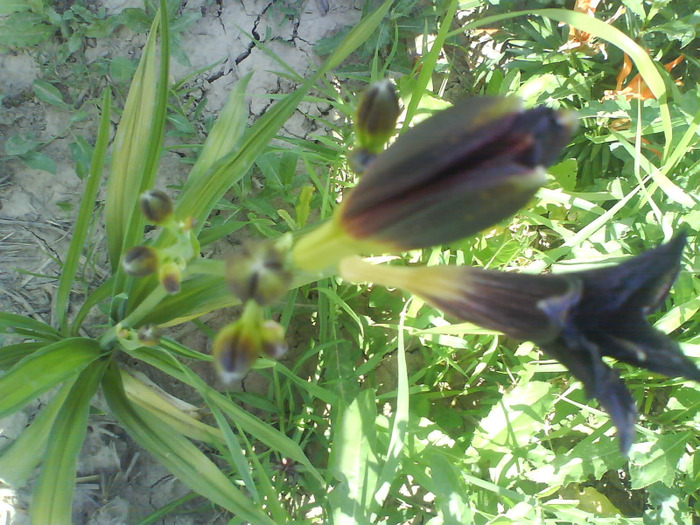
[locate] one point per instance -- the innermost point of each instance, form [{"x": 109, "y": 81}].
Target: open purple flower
[{"x": 576, "y": 318}]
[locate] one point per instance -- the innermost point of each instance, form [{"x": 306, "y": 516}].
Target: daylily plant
[{"x": 452, "y": 175}]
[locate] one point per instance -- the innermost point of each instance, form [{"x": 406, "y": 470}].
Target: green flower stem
[
  {"x": 196, "y": 267},
  {"x": 356, "y": 270},
  {"x": 327, "y": 245}
]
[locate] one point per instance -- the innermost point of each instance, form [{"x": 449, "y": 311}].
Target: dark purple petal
[
  {"x": 600, "y": 381},
  {"x": 640, "y": 283},
  {"x": 631, "y": 339},
  {"x": 452, "y": 208},
  {"x": 507, "y": 302},
  {"x": 435, "y": 146}
]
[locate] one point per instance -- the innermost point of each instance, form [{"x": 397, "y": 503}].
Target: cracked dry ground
[{"x": 119, "y": 483}]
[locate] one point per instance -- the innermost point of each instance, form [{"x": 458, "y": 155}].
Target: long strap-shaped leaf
[
  {"x": 82, "y": 224},
  {"x": 28, "y": 327},
  {"x": 130, "y": 149},
  {"x": 21, "y": 457},
  {"x": 178, "y": 454},
  {"x": 154, "y": 121},
  {"x": 265, "y": 433},
  {"x": 53, "y": 496},
  {"x": 43, "y": 370}
]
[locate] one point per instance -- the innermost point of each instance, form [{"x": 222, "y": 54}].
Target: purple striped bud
[{"x": 454, "y": 174}]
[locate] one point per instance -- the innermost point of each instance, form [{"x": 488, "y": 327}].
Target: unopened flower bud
[
  {"x": 259, "y": 272},
  {"x": 170, "y": 277},
  {"x": 238, "y": 345},
  {"x": 140, "y": 261},
  {"x": 273, "y": 344},
  {"x": 148, "y": 335},
  {"x": 377, "y": 112},
  {"x": 156, "y": 206},
  {"x": 458, "y": 172}
]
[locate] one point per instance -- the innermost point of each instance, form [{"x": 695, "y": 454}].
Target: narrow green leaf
[
  {"x": 177, "y": 454},
  {"x": 19, "y": 459},
  {"x": 265, "y": 433},
  {"x": 53, "y": 496},
  {"x": 131, "y": 145},
  {"x": 357, "y": 36},
  {"x": 354, "y": 461},
  {"x": 390, "y": 469},
  {"x": 82, "y": 223},
  {"x": 226, "y": 134},
  {"x": 428, "y": 64},
  {"x": 28, "y": 327},
  {"x": 41, "y": 371},
  {"x": 136, "y": 220},
  {"x": 450, "y": 497},
  {"x": 235, "y": 451}
]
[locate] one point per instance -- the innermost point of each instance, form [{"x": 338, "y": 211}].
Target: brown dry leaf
[{"x": 636, "y": 88}]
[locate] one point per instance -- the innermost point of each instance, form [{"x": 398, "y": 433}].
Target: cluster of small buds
[
  {"x": 167, "y": 263},
  {"x": 258, "y": 275}
]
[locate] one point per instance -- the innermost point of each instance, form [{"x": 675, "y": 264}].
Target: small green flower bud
[
  {"x": 140, "y": 261},
  {"x": 170, "y": 276},
  {"x": 238, "y": 345},
  {"x": 156, "y": 206},
  {"x": 377, "y": 112},
  {"x": 259, "y": 272},
  {"x": 148, "y": 335},
  {"x": 273, "y": 344}
]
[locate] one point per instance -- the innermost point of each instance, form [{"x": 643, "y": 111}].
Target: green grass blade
[
  {"x": 101, "y": 293},
  {"x": 390, "y": 469},
  {"x": 43, "y": 370},
  {"x": 130, "y": 150},
  {"x": 53, "y": 496},
  {"x": 178, "y": 454},
  {"x": 354, "y": 461},
  {"x": 357, "y": 36},
  {"x": 255, "y": 427},
  {"x": 235, "y": 452},
  {"x": 18, "y": 460},
  {"x": 428, "y": 64},
  {"x": 87, "y": 205},
  {"x": 28, "y": 327}
]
